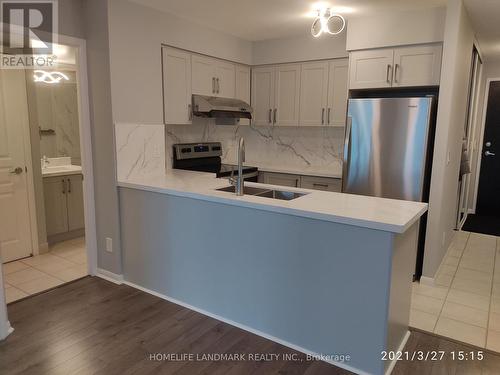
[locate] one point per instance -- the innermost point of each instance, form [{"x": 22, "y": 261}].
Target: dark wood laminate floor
[{"x": 92, "y": 326}]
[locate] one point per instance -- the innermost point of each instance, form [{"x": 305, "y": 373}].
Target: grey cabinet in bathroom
[{"x": 63, "y": 196}]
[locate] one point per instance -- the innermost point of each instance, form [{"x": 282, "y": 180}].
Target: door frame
[{"x": 481, "y": 140}]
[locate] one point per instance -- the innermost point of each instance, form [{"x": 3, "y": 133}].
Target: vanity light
[
  {"x": 327, "y": 22},
  {"x": 49, "y": 77}
]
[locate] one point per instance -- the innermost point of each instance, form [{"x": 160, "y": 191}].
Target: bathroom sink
[{"x": 61, "y": 170}]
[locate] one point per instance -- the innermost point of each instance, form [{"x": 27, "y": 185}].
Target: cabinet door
[
  {"x": 313, "y": 94},
  {"x": 321, "y": 183},
  {"x": 287, "y": 95},
  {"x": 203, "y": 75},
  {"x": 76, "y": 217},
  {"x": 262, "y": 95},
  {"x": 243, "y": 87},
  {"x": 417, "y": 66},
  {"x": 281, "y": 179},
  {"x": 371, "y": 69},
  {"x": 56, "y": 213},
  {"x": 176, "y": 86},
  {"x": 337, "y": 92},
  {"x": 225, "y": 74}
]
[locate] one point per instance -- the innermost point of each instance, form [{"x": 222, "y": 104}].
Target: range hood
[{"x": 215, "y": 107}]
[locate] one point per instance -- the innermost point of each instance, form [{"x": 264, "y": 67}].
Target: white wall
[
  {"x": 303, "y": 48},
  {"x": 457, "y": 54},
  {"x": 396, "y": 28},
  {"x": 135, "y": 37}
]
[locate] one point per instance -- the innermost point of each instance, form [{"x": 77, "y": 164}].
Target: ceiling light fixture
[
  {"x": 49, "y": 77},
  {"x": 327, "y": 22}
]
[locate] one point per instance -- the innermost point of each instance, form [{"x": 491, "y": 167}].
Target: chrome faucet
[
  {"x": 45, "y": 162},
  {"x": 239, "y": 182}
]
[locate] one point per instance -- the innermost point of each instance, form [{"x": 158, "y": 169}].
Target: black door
[{"x": 488, "y": 203}]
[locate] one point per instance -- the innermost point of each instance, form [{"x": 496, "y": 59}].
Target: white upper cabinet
[
  {"x": 176, "y": 86},
  {"x": 213, "y": 77},
  {"x": 337, "y": 92},
  {"x": 371, "y": 69},
  {"x": 203, "y": 77},
  {"x": 263, "y": 80},
  {"x": 314, "y": 94},
  {"x": 287, "y": 95},
  {"x": 395, "y": 67},
  {"x": 242, "y": 87},
  {"x": 417, "y": 66},
  {"x": 225, "y": 79}
]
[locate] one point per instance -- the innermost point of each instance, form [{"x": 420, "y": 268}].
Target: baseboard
[
  {"x": 43, "y": 248},
  {"x": 65, "y": 236},
  {"x": 401, "y": 348},
  {"x": 427, "y": 280},
  {"x": 109, "y": 276},
  {"x": 249, "y": 329},
  {"x": 9, "y": 330}
]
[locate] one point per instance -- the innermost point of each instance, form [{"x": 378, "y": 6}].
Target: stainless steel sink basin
[
  {"x": 266, "y": 193},
  {"x": 248, "y": 190},
  {"x": 282, "y": 195}
]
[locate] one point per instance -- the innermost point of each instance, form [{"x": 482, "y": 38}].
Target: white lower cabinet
[
  {"x": 306, "y": 182},
  {"x": 63, "y": 197}
]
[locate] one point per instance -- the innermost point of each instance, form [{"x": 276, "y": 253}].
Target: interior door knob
[
  {"x": 18, "y": 170},
  {"x": 488, "y": 153}
]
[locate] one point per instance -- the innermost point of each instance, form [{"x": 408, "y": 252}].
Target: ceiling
[
  {"x": 255, "y": 20},
  {"x": 484, "y": 15}
]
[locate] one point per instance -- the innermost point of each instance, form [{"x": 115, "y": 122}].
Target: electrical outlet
[{"x": 109, "y": 245}]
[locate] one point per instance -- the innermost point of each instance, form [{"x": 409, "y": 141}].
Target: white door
[
  {"x": 203, "y": 75},
  {"x": 55, "y": 190},
  {"x": 176, "y": 86},
  {"x": 371, "y": 69},
  {"x": 337, "y": 92},
  {"x": 417, "y": 66},
  {"x": 313, "y": 94},
  {"x": 242, "y": 87},
  {"x": 15, "y": 231},
  {"x": 262, "y": 95},
  {"x": 287, "y": 95},
  {"x": 76, "y": 217},
  {"x": 225, "y": 75}
]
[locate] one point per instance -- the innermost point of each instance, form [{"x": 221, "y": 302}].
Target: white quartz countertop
[
  {"x": 61, "y": 170},
  {"x": 369, "y": 212}
]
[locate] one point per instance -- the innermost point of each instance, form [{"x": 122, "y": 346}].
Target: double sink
[{"x": 265, "y": 193}]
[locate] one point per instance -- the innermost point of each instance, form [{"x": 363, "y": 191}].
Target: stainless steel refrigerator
[{"x": 388, "y": 150}]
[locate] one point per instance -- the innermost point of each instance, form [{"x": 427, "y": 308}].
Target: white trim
[
  {"x": 427, "y": 280},
  {"x": 109, "y": 276},
  {"x": 400, "y": 349},
  {"x": 481, "y": 139},
  {"x": 247, "y": 328}
]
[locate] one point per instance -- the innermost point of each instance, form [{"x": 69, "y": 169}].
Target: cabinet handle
[
  {"x": 396, "y": 68},
  {"x": 296, "y": 182},
  {"x": 320, "y": 185},
  {"x": 275, "y": 112},
  {"x": 270, "y": 116},
  {"x": 63, "y": 186},
  {"x": 218, "y": 86},
  {"x": 328, "y": 116},
  {"x": 190, "y": 112},
  {"x": 322, "y": 116},
  {"x": 389, "y": 68},
  {"x": 213, "y": 85},
  {"x": 69, "y": 186}
]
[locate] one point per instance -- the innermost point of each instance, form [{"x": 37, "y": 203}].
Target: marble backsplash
[
  {"x": 140, "y": 151},
  {"x": 144, "y": 150},
  {"x": 292, "y": 149}
]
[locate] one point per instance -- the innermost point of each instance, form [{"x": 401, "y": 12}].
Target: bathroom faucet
[
  {"x": 239, "y": 182},
  {"x": 45, "y": 161}
]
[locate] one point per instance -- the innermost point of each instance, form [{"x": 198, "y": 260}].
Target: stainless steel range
[{"x": 206, "y": 157}]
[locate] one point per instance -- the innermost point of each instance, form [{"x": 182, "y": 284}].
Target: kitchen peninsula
[{"x": 301, "y": 272}]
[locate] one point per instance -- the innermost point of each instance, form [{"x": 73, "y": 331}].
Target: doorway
[
  {"x": 487, "y": 215},
  {"x": 50, "y": 246}
]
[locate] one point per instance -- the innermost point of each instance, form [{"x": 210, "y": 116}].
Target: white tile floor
[
  {"x": 464, "y": 303},
  {"x": 66, "y": 261}
]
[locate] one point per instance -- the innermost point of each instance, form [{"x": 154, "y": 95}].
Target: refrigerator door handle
[{"x": 347, "y": 151}]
